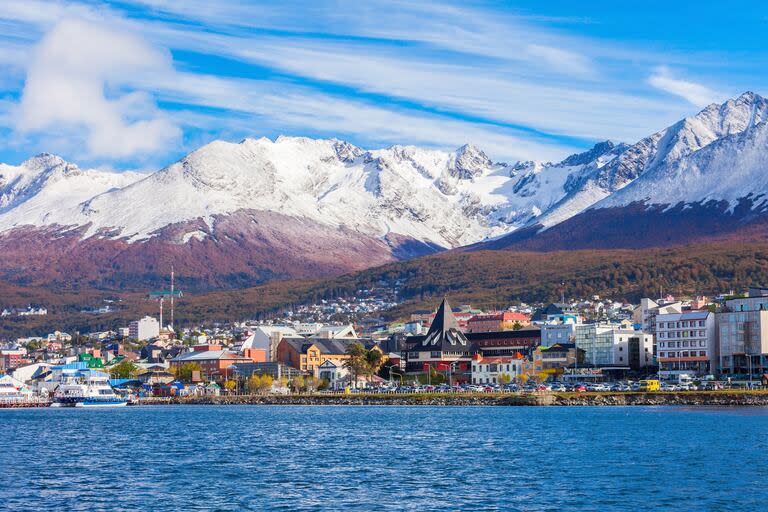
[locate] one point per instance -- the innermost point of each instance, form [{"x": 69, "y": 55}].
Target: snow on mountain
[
  {"x": 444, "y": 198},
  {"x": 728, "y": 170},
  {"x": 394, "y": 195},
  {"x": 33, "y": 192},
  {"x": 666, "y": 150}
]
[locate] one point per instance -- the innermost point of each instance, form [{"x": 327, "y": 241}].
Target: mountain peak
[
  {"x": 470, "y": 161},
  {"x": 45, "y": 161},
  {"x": 590, "y": 155}
]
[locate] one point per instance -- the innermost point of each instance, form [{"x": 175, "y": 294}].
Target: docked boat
[{"x": 87, "y": 389}]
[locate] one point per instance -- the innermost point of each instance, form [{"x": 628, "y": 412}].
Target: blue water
[{"x": 384, "y": 458}]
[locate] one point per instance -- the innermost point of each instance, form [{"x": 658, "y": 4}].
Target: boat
[{"x": 86, "y": 388}]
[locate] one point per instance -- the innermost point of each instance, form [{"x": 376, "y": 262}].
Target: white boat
[
  {"x": 87, "y": 388},
  {"x": 10, "y": 391}
]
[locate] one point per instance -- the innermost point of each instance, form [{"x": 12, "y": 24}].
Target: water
[{"x": 384, "y": 458}]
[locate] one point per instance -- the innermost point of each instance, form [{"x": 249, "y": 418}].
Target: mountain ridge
[{"x": 235, "y": 214}]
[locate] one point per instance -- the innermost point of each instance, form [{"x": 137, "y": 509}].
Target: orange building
[{"x": 308, "y": 354}]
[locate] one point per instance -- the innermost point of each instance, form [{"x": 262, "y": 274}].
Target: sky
[{"x": 138, "y": 84}]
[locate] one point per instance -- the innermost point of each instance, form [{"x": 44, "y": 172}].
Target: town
[{"x": 593, "y": 345}]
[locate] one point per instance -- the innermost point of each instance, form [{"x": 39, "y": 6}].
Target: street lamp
[{"x": 398, "y": 374}]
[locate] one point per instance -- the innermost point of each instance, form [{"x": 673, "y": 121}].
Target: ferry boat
[{"x": 87, "y": 389}]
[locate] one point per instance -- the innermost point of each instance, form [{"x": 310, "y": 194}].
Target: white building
[
  {"x": 144, "y": 329},
  {"x": 489, "y": 370},
  {"x": 336, "y": 332},
  {"x": 415, "y": 327},
  {"x": 645, "y": 314},
  {"x": 334, "y": 372},
  {"x": 686, "y": 343},
  {"x": 614, "y": 345}
]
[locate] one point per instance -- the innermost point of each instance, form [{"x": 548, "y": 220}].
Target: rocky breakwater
[
  {"x": 688, "y": 398},
  {"x": 696, "y": 398},
  {"x": 430, "y": 399}
]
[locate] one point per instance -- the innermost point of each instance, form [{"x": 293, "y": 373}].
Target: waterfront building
[
  {"x": 444, "y": 347},
  {"x": 275, "y": 370},
  {"x": 506, "y": 343},
  {"x": 614, "y": 345},
  {"x": 686, "y": 344},
  {"x": 496, "y": 370},
  {"x": 334, "y": 371},
  {"x": 552, "y": 360},
  {"x": 307, "y": 354},
  {"x": 144, "y": 329},
  {"x": 743, "y": 335}
]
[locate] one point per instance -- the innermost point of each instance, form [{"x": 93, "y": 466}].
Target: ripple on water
[{"x": 383, "y": 458}]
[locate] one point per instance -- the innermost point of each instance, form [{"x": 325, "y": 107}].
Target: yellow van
[{"x": 650, "y": 385}]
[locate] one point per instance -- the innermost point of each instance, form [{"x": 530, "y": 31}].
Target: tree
[
  {"x": 312, "y": 383},
  {"x": 357, "y": 362},
  {"x": 298, "y": 384},
  {"x": 505, "y": 378},
  {"x": 253, "y": 384},
  {"x": 184, "y": 372},
  {"x": 123, "y": 370},
  {"x": 265, "y": 384},
  {"x": 230, "y": 385},
  {"x": 374, "y": 359}
]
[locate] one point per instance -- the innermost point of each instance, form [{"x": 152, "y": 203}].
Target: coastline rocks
[{"x": 718, "y": 399}]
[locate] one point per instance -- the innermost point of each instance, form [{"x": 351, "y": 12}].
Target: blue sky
[{"x": 137, "y": 84}]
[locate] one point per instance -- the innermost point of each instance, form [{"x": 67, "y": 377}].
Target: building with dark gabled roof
[{"x": 444, "y": 347}]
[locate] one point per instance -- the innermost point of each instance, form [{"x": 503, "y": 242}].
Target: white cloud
[
  {"x": 78, "y": 87},
  {"x": 562, "y": 60},
  {"x": 692, "y": 92}
]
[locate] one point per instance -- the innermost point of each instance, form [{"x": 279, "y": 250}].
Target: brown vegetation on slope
[{"x": 487, "y": 279}]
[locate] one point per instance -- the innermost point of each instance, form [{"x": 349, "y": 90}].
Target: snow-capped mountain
[
  {"x": 445, "y": 199},
  {"x": 232, "y": 214},
  {"x": 681, "y": 184}
]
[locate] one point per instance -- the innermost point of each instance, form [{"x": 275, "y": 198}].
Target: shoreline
[{"x": 687, "y": 398}]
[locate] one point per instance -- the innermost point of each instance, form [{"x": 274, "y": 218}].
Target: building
[
  {"x": 144, "y": 329},
  {"x": 686, "y": 343},
  {"x": 742, "y": 328},
  {"x": 275, "y": 370},
  {"x": 496, "y": 370},
  {"x": 615, "y": 346},
  {"x": 644, "y": 315},
  {"x": 334, "y": 371},
  {"x": 500, "y": 321},
  {"x": 445, "y": 347},
  {"x": 307, "y": 354},
  {"x": 552, "y": 360},
  {"x": 506, "y": 343},
  {"x": 11, "y": 359},
  {"x": 557, "y": 333},
  {"x": 214, "y": 362},
  {"x": 556, "y": 313},
  {"x": 267, "y": 338}
]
